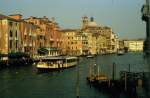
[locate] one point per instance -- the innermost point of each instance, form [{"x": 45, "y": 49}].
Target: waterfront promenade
[{"x": 24, "y": 82}]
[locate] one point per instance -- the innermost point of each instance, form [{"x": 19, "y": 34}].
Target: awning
[{"x": 42, "y": 51}]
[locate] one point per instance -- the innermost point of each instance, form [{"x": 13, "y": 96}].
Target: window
[
  {"x": 16, "y": 34},
  {"x": 16, "y": 44},
  {"x": 40, "y": 45},
  {"x": 25, "y": 37},
  {"x": 16, "y": 23},
  {"x": 10, "y": 24},
  {"x": 10, "y": 44},
  {"x": 11, "y": 33}
]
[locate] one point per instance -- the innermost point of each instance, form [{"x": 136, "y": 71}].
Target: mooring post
[
  {"x": 129, "y": 67},
  {"x": 125, "y": 82},
  {"x": 146, "y": 17},
  {"x": 78, "y": 83},
  {"x": 113, "y": 71},
  {"x": 109, "y": 83}
]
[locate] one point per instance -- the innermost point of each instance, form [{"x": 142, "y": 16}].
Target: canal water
[{"x": 24, "y": 82}]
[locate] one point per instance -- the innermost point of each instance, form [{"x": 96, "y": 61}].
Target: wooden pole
[
  {"x": 129, "y": 67},
  {"x": 78, "y": 84},
  {"x": 90, "y": 71},
  {"x": 146, "y": 14},
  {"x": 113, "y": 71},
  {"x": 125, "y": 80},
  {"x": 98, "y": 71}
]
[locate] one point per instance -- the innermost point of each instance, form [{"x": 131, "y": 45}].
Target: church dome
[{"x": 92, "y": 23}]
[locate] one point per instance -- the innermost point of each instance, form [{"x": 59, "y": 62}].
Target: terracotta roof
[
  {"x": 15, "y": 14},
  {"x": 106, "y": 27},
  {"x": 7, "y": 17},
  {"x": 68, "y": 30}
]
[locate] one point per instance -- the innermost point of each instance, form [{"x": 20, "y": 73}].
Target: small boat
[
  {"x": 120, "y": 52},
  {"x": 90, "y": 56},
  {"x": 55, "y": 63},
  {"x": 96, "y": 76}
]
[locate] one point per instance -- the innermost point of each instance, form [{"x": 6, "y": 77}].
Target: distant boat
[
  {"x": 90, "y": 56},
  {"x": 54, "y": 63},
  {"x": 120, "y": 52}
]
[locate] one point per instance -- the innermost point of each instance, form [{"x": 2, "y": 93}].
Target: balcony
[
  {"x": 84, "y": 47},
  {"x": 10, "y": 38},
  {"x": 41, "y": 34},
  {"x": 30, "y": 34},
  {"x": 25, "y": 44},
  {"x": 16, "y": 38},
  {"x": 30, "y": 44},
  {"x": 25, "y": 33},
  {"x": 51, "y": 39}
]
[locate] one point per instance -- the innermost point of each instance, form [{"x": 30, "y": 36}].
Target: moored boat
[
  {"x": 90, "y": 56},
  {"x": 120, "y": 52}
]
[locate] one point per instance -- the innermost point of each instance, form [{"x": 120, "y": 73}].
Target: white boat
[
  {"x": 90, "y": 56},
  {"x": 54, "y": 63},
  {"x": 120, "y": 52}
]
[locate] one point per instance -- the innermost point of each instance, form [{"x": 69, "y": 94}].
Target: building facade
[
  {"x": 32, "y": 36},
  {"x": 101, "y": 38},
  {"x": 29, "y": 35},
  {"x": 53, "y": 36},
  {"x": 40, "y": 35},
  {"x": 134, "y": 45},
  {"x": 9, "y": 35},
  {"x": 69, "y": 41}
]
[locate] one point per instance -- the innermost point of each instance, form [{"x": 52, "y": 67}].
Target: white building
[{"x": 134, "y": 45}]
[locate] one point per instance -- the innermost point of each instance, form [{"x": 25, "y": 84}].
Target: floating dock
[{"x": 130, "y": 84}]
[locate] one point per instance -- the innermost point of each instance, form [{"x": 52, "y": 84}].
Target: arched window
[
  {"x": 0, "y": 34},
  {"x": 11, "y": 33},
  {"x": 16, "y": 34}
]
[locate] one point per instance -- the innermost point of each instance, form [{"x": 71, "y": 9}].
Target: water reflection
[{"x": 26, "y": 83}]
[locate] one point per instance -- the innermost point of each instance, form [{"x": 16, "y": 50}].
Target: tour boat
[{"x": 58, "y": 62}]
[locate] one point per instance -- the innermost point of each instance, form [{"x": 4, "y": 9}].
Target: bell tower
[{"x": 85, "y": 22}]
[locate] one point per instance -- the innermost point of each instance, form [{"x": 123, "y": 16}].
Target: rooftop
[{"x": 7, "y": 17}]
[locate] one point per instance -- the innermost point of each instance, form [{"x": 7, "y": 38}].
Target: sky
[{"x": 123, "y": 16}]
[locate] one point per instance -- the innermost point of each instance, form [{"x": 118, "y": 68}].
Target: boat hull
[
  {"x": 53, "y": 69},
  {"x": 53, "y": 64}
]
